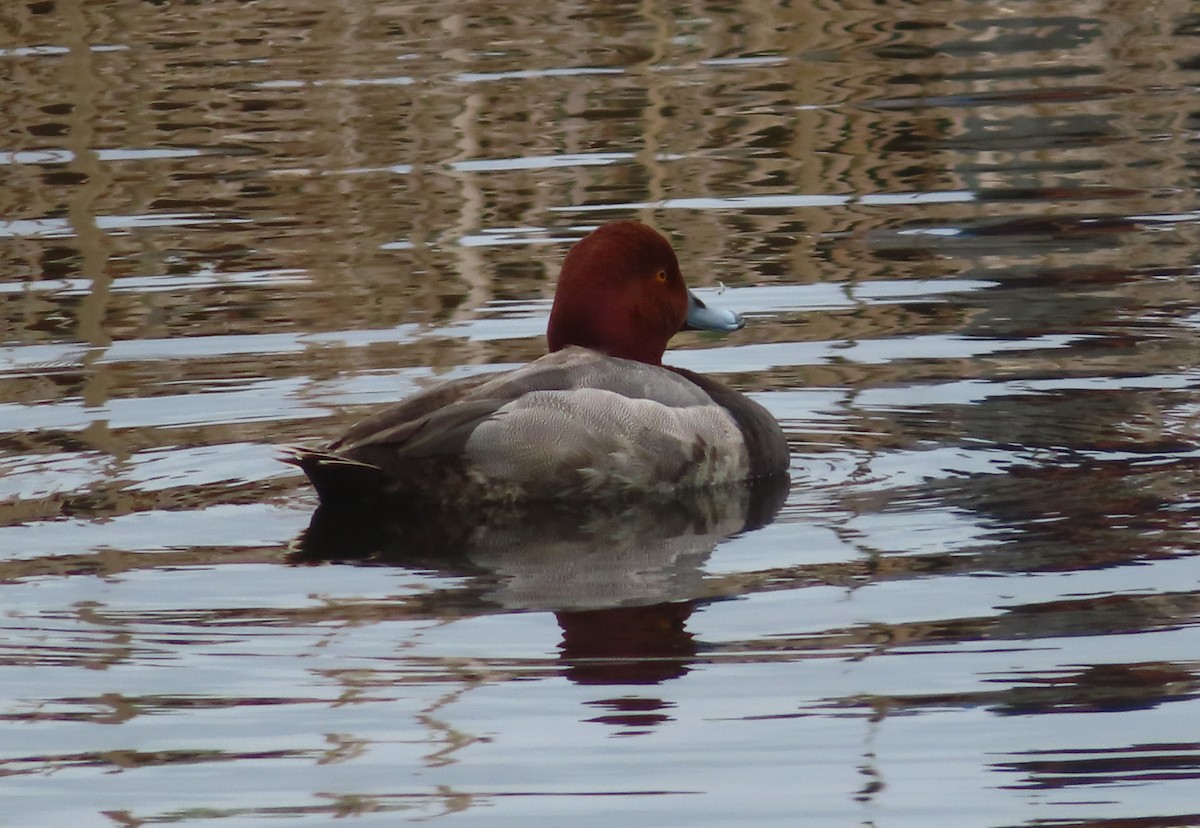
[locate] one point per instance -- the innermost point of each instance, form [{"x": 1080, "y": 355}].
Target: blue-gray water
[{"x": 965, "y": 235}]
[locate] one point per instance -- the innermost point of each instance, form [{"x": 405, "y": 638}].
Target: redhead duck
[{"x": 599, "y": 416}]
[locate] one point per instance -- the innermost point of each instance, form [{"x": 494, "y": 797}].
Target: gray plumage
[{"x": 575, "y": 423}]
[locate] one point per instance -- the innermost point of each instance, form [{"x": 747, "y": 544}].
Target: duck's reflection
[
  {"x": 621, "y": 579},
  {"x": 627, "y": 645}
]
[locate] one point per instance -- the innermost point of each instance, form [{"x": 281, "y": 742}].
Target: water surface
[{"x": 964, "y": 234}]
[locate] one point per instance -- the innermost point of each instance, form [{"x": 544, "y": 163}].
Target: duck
[{"x": 599, "y": 416}]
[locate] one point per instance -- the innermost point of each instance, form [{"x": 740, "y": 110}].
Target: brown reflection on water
[
  {"x": 627, "y": 645},
  {"x": 1100, "y": 688},
  {"x": 295, "y": 155},
  {"x": 1129, "y": 765},
  {"x": 392, "y": 151}
]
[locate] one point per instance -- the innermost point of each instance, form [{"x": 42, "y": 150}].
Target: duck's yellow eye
[{"x": 661, "y": 275}]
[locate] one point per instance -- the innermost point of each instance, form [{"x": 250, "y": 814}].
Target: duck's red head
[{"x": 620, "y": 292}]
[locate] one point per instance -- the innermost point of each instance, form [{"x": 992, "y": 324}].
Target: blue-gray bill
[{"x": 701, "y": 317}]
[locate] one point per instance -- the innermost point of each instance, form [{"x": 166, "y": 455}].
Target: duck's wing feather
[
  {"x": 411, "y": 410},
  {"x": 412, "y": 425},
  {"x": 574, "y": 415}
]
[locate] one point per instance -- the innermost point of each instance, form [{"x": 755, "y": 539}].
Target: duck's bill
[{"x": 702, "y": 317}]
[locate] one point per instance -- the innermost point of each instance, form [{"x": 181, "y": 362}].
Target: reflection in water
[
  {"x": 1128, "y": 765},
  {"x": 561, "y": 556},
  {"x": 1100, "y": 688},
  {"x": 621, "y": 578},
  {"x": 627, "y": 645}
]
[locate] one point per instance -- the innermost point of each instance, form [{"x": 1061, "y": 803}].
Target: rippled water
[{"x": 965, "y": 234}]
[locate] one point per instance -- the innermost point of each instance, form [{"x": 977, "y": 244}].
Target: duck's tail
[{"x": 338, "y": 480}]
